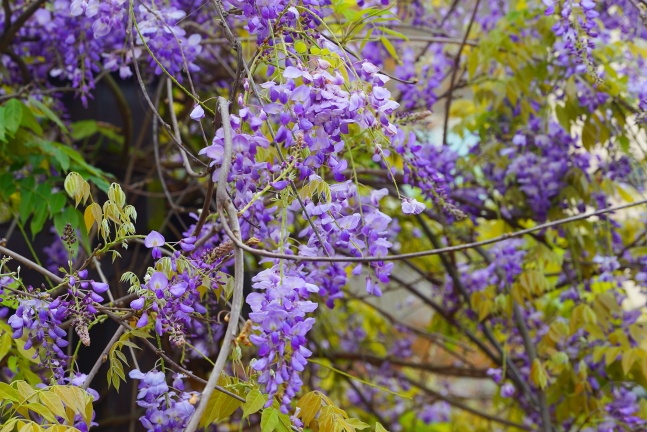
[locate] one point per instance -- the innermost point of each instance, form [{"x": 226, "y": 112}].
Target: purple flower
[
  {"x": 142, "y": 321},
  {"x": 157, "y": 283},
  {"x": 155, "y": 240},
  {"x": 40, "y": 322},
  {"x": 137, "y": 304},
  {"x": 197, "y": 113},
  {"x": 187, "y": 244},
  {"x": 99, "y": 287},
  {"x": 507, "y": 390},
  {"x": 411, "y": 206},
  {"x": 279, "y": 314},
  {"x": 495, "y": 374},
  {"x": 166, "y": 410},
  {"x": 436, "y": 413}
]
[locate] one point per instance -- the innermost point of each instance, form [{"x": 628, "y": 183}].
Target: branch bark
[{"x": 224, "y": 204}]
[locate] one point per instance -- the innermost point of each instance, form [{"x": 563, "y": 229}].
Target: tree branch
[
  {"x": 224, "y": 204},
  {"x": 400, "y": 257},
  {"x": 102, "y": 358},
  {"x": 460, "y": 405},
  {"x": 10, "y": 32},
  {"x": 32, "y": 265},
  {"x": 448, "y": 370}
]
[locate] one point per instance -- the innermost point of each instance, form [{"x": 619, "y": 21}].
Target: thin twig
[
  {"x": 515, "y": 374},
  {"x": 97, "y": 266},
  {"x": 32, "y": 265},
  {"x": 448, "y": 370},
  {"x": 102, "y": 358},
  {"x": 10, "y": 32},
  {"x": 140, "y": 80},
  {"x": 167, "y": 359},
  {"x": 532, "y": 355},
  {"x": 400, "y": 257},
  {"x": 176, "y": 131},
  {"x": 460, "y": 405},
  {"x": 205, "y": 206},
  {"x": 457, "y": 60}
]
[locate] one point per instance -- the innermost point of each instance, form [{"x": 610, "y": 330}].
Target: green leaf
[
  {"x": 380, "y": 428},
  {"x": 30, "y": 122},
  {"x": 49, "y": 114},
  {"x": 269, "y": 420},
  {"x": 393, "y": 33},
  {"x": 255, "y": 400},
  {"x": 390, "y": 48},
  {"x": 40, "y": 216},
  {"x": 12, "y": 115},
  {"x": 84, "y": 129},
  {"x": 62, "y": 158},
  {"x": 589, "y": 134},
  {"x": 56, "y": 202},
  {"x": 25, "y": 209},
  {"x": 220, "y": 405},
  {"x": 7, "y": 185},
  {"x": 2, "y": 125},
  {"x": 300, "y": 47}
]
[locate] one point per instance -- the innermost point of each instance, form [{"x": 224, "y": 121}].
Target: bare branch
[
  {"x": 460, "y": 405},
  {"x": 102, "y": 358}
]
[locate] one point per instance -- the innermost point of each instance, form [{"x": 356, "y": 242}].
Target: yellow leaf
[
  {"x": 626, "y": 192},
  {"x": 5, "y": 344},
  {"x": 117, "y": 195},
  {"x": 380, "y": 428},
  {"x": 25, "y": 391},
  {"x": 643, "y": 365},
  {"x": 52, "y": 402},
  {"x": 74, "y": 398},
  {"x": 9, "y": 425},
  {"x": 300, "y": 47},
  {"x": 628, "y": 359},
  {"x": 88, "y": 218},
  {"x": 612, "y": 354},
  {"x": 538, "y": 374},
  {"x": 309, "y": 405}
]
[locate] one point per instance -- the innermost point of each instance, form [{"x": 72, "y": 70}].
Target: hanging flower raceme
[
  {"x": 172, "y": 301},
  {"x": 106, "y": 14},
  {"x": 39, "y": 322},
  {"x": 279, "y": 313},
  {"x": 166, "y": 410}
]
